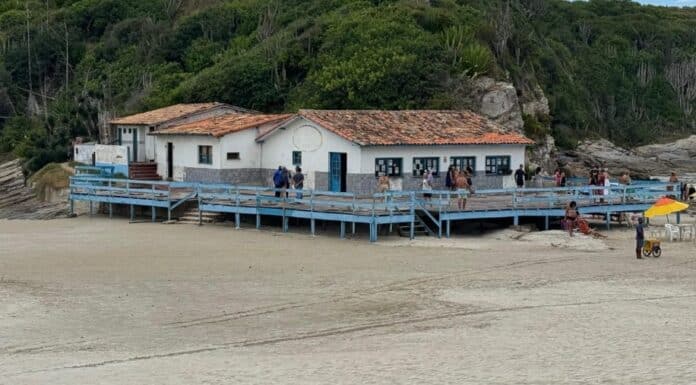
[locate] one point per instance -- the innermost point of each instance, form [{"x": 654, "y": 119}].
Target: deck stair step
[
  {"x": 419, "y": 228},
  {"x": 191, "y": 217},
  {"x": 143, "y": 171}
]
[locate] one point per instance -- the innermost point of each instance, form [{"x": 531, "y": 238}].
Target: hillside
[{"x": 613, "y": 69}]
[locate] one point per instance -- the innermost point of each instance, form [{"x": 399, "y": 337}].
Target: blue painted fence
[{"x": 438, "y": 209}]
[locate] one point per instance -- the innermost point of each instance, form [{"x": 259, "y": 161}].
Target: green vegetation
[
  {"x": 609, "y": 68},
  {"x": 53, "y": 176}
]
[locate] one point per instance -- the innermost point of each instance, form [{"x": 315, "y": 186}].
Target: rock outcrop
[
  {"x": 679, "y": 155},
  {"x": 17, "y": 201},
  {"x": 642, "y": 163},
  {"x": 498, "y": 101}
]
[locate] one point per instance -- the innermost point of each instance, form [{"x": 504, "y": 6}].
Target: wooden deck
[{"x": 394, "y": 207}]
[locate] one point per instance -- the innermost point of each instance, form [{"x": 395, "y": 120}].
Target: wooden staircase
[
  {"x": 143, "y": 171},
  {"x": 190, "y": 216},
  {"x": 420, "y": 228}
]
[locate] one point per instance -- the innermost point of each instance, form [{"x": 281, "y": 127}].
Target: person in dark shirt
[
  {"x": 298, "y": 182},
  {"x": 519, "y": 176},
  {"x": 640, "y": 237}
]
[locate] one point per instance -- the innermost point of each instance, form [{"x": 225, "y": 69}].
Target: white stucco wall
[
  {"x": 83, "y": 153},
  {"x": 407, "y": 153},
  {"x": 185, "y": 153},
  {"x": 243, "y": 142},
  {"x": 127, "y": 140},
  {"x": 314, "y": 142}
]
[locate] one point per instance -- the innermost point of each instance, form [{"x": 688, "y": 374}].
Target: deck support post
[
  {"x": 236, "y": 221},
  {"x": 546, "y": 222},
  {"x": 111, "y": 210},
  {"x": 169, "y": 212},
  {"x": 132, "y": 213},
  {"x": 373, "y": 231},
  {"x": 516, "y": 220},
  {"x": 154, "y": 213},
  {"x": 448, "y": 228},
  {"x": 313, "y": 226},
  {"x": 608, "y": 220},
  {"x": 91, "y": 208},
  {"x": 353, "y": 229},
  {"x": 412, "y": 235},
  {"x": 343, "y": 230},
  {"x": 439, "y": 228},
  {"x": 285, "y": 223},
  {"x": 258, "y": 221}
]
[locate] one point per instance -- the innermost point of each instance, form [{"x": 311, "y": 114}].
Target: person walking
[
  {"x": 451, "y": 178},
  {"x": 571, "y": 217},
  {"x": 640, "y": 238},
  {"x": 298, "y": 182},
  {"x": 520, "y": 175}
]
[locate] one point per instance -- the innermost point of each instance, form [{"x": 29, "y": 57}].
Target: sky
[{"x": 675, "y": 3}]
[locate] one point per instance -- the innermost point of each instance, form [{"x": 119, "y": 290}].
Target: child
[{"x": 639, "y": 238}]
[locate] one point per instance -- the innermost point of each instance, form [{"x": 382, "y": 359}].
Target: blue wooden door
[{"x": 335, "y": 171}]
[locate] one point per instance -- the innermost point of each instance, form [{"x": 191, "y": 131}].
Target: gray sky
[{"x": 677, "y": 3}]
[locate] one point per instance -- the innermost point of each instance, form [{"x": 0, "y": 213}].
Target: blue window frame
[
  {"x": 205, "y": 154},
  {"x": 462, "y": 162},
  {"x": 422, "y": 164},
  {"x": 497, "y": 165},
  {"x": 388, "y": 167}
]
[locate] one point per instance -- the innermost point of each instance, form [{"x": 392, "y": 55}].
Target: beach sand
[{"x": 98, "y": 301}]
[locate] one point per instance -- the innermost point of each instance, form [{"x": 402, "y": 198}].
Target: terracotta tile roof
[
  {"x": 413, "y": 127},
  {"x": 166, "y": 114},
  {"x": 222, "y": 125}
]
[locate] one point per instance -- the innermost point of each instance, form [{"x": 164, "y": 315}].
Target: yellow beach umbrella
[{"x": 665, "y": 206}]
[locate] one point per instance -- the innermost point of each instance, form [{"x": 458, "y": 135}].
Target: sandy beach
[{"x": 98, "y": 301}]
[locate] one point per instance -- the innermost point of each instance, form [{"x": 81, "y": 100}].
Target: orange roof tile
[
  {"x": 413, "y": 127},
  {"x": 166, "y": 114},
  {"x": 222, "y": 125}
]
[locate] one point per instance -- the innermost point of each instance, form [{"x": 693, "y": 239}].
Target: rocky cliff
[
  {"x": 642, "y": 162},
  {"x": 17, "y": 201}
]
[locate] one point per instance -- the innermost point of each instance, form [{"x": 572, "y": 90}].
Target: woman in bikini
[{"x": 571, "y": 216}]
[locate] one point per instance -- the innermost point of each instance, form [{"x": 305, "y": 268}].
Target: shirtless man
[{"x": 462, "y": 184}]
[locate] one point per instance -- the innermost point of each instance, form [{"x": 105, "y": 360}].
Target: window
[
  {"x": 422, "y": 164},
  {"x": 297, "y": 158},
  {"x": 205, "y": 154},
  {"x": 232, "y": 156},
  {"x": 388, "y": 167},
  {"x": 462, "y": 162},
  {"x": 497, "y": 165}
]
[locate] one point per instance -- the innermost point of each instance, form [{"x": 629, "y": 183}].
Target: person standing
[
  {"x": 427, "y": 185},
  {"x": 538, "y": 178},
  {"x": 672, "y": 180},
  {"x": 562, "y": 181},
  {"x": 557, "y": 177},
  {"x": 520, "y": 176},
  {"x": 451, "y": 178},
  {"x": 640, "y": 238},
  {"x": 285, "y": 178},
  {"x": 277, "y": 180},
  {"x": 298, "y": 182}
]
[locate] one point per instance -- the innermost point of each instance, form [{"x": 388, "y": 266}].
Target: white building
[
  {"x": 340, "y": 150},
  {"x": 131, "y": 131}
]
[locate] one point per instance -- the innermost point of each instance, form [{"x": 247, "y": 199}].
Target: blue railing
[{"x": 438, "y": 206}]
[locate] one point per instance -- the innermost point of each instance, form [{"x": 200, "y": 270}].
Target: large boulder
[
  {"x": 642, "y": 163},
  {"x": 680, "y": 155},
  {"x": 498, "y": 101}
]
